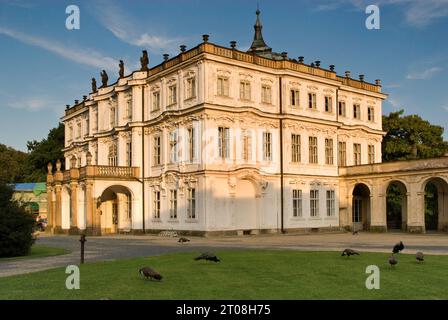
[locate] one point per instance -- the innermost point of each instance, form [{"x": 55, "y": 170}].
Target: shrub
[{"x": 16, "y": 226}]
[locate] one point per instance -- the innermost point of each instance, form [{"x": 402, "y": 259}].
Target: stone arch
[
  {"x": 115, "y": 207},
  {"x": 436, "y": 218},
  {"x": 361, "y": 206},
  {"x": 396, "y": 198}
]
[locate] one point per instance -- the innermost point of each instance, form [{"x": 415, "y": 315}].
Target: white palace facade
[{"x": 216, "y": 140}]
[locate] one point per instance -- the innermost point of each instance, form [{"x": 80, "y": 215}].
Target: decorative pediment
[{"x": 223, "y": 72}]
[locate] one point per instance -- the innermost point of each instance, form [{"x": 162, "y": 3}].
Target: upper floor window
[
  {"x": 113, "y": 155},
  {"x": 172, "y": 94},
  {"x": 78, "y": 130},
  {"x": 173, "y": 146},
  {"x": 157, "y": 150},
  {"x": 87, "y": 127},
  {"x": 294, "y": 98},
  {"x": 267, "y": 146},
  {"x": 155, "y": 100},
  {"x": 266, "y": 94},
  {"x": 70, "y": 133},
  {"x": 224, "y": 142},
  {"x": 94, "y": 119},
  {"x": 245, "y": 90},
  {"x": 312, "y": 148},
  {"x": 112, "y": 116},
  {"x": 129, "y": 109},
  {"x": 328, "y": 104},
  {"x": 342, "y": 153},
  {"x": 312, "y": 101},
  {"x": 129, "y": 153},
  {"x": 247, "y": 145},
  {"x": 191, "y": 88},
  {"x": 371, "y": 114},
  {"x": 356, "y": 154},
  {"x": 371, "y": 153},
  {"x": 357, "y": 111},
  {"x": 223, "y": 86},
  {"x": 295, "y": 148},
  {"x": 341, "y": 108},
  {"x": 191, "y": 144},
  {"x": 329, "y": 151}
]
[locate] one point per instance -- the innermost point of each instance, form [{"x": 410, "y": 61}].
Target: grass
[
  {"x": 242, "y": 275},
  {"x": 38, "y": 251}
]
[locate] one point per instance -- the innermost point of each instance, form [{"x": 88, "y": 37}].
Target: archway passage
[
  {"x": 396, "y": 206},
  {"x": 115, "y": 210},
  {"x": 245, "y": 206},
  {"x": 436, "y": 205},
  {"x": 361, "y": 207}
]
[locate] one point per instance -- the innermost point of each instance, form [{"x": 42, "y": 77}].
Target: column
[{"x": 74, "y": 206}]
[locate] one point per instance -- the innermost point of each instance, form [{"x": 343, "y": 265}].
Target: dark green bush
[{"x": 16, "y": 226}]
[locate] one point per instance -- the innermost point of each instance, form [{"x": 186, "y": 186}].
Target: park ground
[{"x": 252, "y": 267}]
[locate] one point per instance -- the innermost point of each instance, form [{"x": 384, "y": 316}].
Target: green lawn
[
  {"x": 242, "y": 275},
  {"x": 38, "y": 251}
]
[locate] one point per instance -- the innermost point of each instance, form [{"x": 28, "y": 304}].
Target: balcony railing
[{"x": 102, "y": 172}]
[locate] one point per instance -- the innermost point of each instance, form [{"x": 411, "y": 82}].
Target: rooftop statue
[{"x": 144, "y": 60}]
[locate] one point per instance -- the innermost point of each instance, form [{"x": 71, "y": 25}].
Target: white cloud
[
  {"x": 87, "y": 56},
  {"x": 395, "y": 103},
  {"x": 35, "y": 103},
  {"x": 445, "y": 108},
  {"x": 127, "y": 29},
  {"x": 423, "y": 75}
]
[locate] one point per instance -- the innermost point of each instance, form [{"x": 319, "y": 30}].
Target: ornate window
[
  {"x": 328, "y": 104},
  {"x": 356, "y": 154},
  {"x": 247, "y": 145},
  {"x": 341, "y": 108},
  {"x": 173, "y": 204},
  {"x": 191, "y": 144},
  {"x": 296, "y": 203},
  {"x": 155, "y": 100},
  {"x": 267, "y": 146},
  {"x": 371, "y": 153},
  {"x": 266, "y": 93},
  {"x": 295, "y": 148},
  {"x": 328, "y": 151},
  {"x": 223, "y": 86},
  {"x": 314, "y": 203},
  {"x": 129, "y": 109},
  {"x": 78, "y": 130},
  {"x": 295, "y": 98},
  {"x": 342, "y": 153},
  {"x": 173, "y": 146},
  {"x": 190, "y": 88},
  {"x": 129, "y": 153},
  {"x": 245, "y": 93},
  {"x": 113, "y": 156},
  {"x": 312, "y": 149},
  {"x": 371, "y": 114},
  {"x": 331, "y": 203},
  {"x": 156, "y": 204},
  {"x": 224, "y": 142},
  {"x": 191, "y": 203},
  {"x": 157, "y": 150},
  {"x": 312, "y": 100},
  {"x": 356, "y": 111},
  {"x": 172, "y": 94},
  {"x": 112, "y": 117}
]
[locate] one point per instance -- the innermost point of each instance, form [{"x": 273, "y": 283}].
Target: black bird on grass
[
  {"x": 419, "y": 256},
  {"x": 182, "y": 240},
  {"x": 349, "y": 252},
  {"x": 147, "y": 272},
  {"x": 208, "y": 256},
  {"x": 398, "y": 247},
  {"x": 392, "y": 260}
]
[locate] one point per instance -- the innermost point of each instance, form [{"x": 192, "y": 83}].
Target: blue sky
[{"x": 45, "y": 66}]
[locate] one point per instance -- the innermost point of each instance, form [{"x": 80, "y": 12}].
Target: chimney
[
  {"x": 76, "y": 101},
  {"x": 165, "y": 56},
  {"x": 67, "y": 106},
  {"x": 301, "y": 59},
  {"x": 183, "y": 48},
  {"x": 284, "y": 55},
  {"x": 378, "y": 82},
  {"x": 332, "y": 67},
  {"x": 84, "y": 98},
  {"x": 361, "y": 77},
  {"x": 347, "y": 74},
  {"x": 312, "y": 64},
  {"x": 205, "y": 37},
  {"x": 233, "y": 44},
  {"x": 318, "y": 63}
]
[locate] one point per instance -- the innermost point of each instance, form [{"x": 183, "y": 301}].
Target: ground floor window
[
  {"x": 156, "y": 204},
  {"x": 314, "y": 203},
  {"x": 173, "y": 204},
  {"x": 330, "y": 203},
  {"x": 191, "y": 199},
  {"x": 296, "y": 203}
]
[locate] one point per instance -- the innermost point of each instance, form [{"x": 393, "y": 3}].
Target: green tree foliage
[
  {"x": 431, "y": 207},
  {"x": 12, "y": 164},
  {"x": 16, "y": 226},
  {"x": 394, "y": 202},
  {"x": 411, "y": 137},
  {"x": 42, "y": 152}
]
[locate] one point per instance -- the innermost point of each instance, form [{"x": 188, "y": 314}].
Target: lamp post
[{"x": 82, "y": 240}]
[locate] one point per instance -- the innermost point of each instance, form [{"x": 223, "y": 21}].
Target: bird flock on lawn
[
  {"x": 392, "y": 260},
  {"x": 150, "y": 273}
]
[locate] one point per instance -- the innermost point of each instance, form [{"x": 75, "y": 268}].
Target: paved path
[{"x": 122, "y": 247}]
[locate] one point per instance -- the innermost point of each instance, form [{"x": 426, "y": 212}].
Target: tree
[
  {"x": 16, "y": 225},
  {"x": 411, "y": 137},
  {"x": 42, "y": 152},
  {"x": 12, "y": 164}
]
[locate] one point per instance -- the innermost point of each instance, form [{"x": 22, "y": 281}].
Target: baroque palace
[{"x": 216, "y": 140}]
